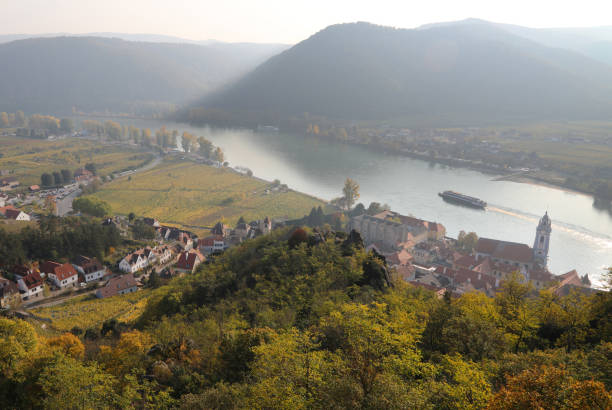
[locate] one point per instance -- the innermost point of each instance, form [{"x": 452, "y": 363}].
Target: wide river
[{"x": 581, "y": 236}]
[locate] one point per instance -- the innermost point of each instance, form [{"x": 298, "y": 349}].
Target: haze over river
[{"x": 581, "y": 235}]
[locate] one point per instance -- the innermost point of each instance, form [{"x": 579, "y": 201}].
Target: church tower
[{"x": 542, "y": 241}]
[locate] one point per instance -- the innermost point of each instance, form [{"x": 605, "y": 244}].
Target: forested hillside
[
  {"x": 307, "y": 319},
  {"x": 458, "y": 73},
  {"x": 54, "y": 75}
]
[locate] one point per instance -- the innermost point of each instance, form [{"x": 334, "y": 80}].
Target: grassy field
[
  {"x": 187, "y": 194},
  {"x": 29, "y": 158},
  {"x": 88, "y": 311}
]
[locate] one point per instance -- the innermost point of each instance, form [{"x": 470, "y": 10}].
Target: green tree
[
  {"x": 66, "y": 125},
  {"x": 92, "y": 206},
  {"x": 519, "y": 316},
  {"x": 91, "y": 167},
  {"x": 46, "y": 179},
  {"x": 66, "y": 175},
  {"x": 57, "y": 178},
  {"x": 20, "y": 119},
  {"x": 467, "y": 242}
]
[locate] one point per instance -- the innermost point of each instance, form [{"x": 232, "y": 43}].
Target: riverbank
[{"x": 551, "y": 178}]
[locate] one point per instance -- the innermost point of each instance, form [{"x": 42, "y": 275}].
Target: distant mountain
[
  {"x": 471, "y": 71},
  {"x": 52, "y": 75},
  {"x": 594, "y": 42}
]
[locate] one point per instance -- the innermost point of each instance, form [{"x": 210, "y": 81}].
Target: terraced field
[
  {"x": 188, "y": 194},
  {"x": 88, "y": 311},
  {"x": 28, "y": 158}
]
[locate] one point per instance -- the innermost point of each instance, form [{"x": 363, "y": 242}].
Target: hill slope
[
  {"x": 475, "y": 72},
  {"x": 52, "y": 75}
]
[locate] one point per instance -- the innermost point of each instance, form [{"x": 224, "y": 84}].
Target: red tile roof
[
  {"x": 512, "y": 251},
  {"x": 187, "y": 260},
  {"x": 32, "y": 280},
  {"x": 61, "y": 272},
  {"x": 466, "y": 261},
  {"x": 402, "y": 257},
  {"x": 210, "y": 240},
  {"x": 116, "y": 285}
]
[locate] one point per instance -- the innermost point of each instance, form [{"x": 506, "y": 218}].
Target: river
[{"x": 581, "y": 237}]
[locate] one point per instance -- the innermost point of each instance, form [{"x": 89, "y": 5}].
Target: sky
[{"x": 280, "y": 21}]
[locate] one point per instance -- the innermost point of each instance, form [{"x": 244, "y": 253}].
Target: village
[
  {"x": 173, "y": 252},
  {"x": 420, "y": 253},
  {"x": 416, "y": 251}
]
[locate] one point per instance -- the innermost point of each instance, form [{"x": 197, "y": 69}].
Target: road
[{"x": 64, "y": 206}]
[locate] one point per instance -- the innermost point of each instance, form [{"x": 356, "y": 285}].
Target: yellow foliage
[{"x": 68, "y": 344}]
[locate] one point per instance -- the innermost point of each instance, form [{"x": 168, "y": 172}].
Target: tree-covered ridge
[
  {"x": 309, "y": 319},
  {"x": 94, "y": 73},
  {"x": 468, "y": 73}
]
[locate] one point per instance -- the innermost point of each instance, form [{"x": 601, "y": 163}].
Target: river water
[{"x": 581, "y": 237}]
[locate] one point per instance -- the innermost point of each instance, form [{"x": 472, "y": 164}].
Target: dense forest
[
  {"x": 469, "y": 73},
  {"x": 308, "y": 319},
  {"x": 109, "y": 74},
  {"x": 54, "y": 238}
]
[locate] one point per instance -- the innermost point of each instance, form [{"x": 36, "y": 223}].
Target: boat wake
[{"x": 600, "y": 240}]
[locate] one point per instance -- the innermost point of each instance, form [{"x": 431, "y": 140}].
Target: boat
[{"x": 461, "y": 199}]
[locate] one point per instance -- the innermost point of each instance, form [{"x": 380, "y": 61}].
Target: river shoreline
[{"x": 509, "y": 175}]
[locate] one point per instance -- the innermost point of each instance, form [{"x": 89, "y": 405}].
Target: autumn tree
[
  {"x": 17, "y": 341},
  {"x": 4, "y": 120},
  {"x": 350, "y": 192},
  {"x": 68, "y": 344},
  {"x": 218, "y": 155},
  {"x": 113, "y": 129},
  {"x": 550, "y": 387}
]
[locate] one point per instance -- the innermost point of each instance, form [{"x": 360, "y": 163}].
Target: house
[
  {"x": 133, "y": 262},
  {"x": 151, "y": 222},
  {"x": 9, "y": 293},
  {"x": 34, "y": 188},
  {"x": 62, "y": 275},
  {"x": 220, "y": 229},
  {"x": 512, "y": 253},
  {"x": 10, "y": 212},
  {"x": 570, "y": 281},
  {"x": 8, "y": 183},
  {"x": 399, "y": 258},
  {"x": 83, "y": 175},
  {"x": 163, "y": 254},
  {"x": 523, "y": 257},
  {"x": 30, "y": 286},
  {"x": 189, "y": 260},
  {"x": 391, "y": 229},
  {"x": 211, "y": 244},
  {"x": 90, "y": 268},
  {"x": 119, "y": 285}
]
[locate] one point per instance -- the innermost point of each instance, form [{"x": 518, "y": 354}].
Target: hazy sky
[{"x": 286, "y": 21}]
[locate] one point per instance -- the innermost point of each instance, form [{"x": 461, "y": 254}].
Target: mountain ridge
[
  {"x": 95, "y": 73},
  {"x": 361, "y": 71}
]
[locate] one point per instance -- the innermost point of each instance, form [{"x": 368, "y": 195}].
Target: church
[{"x": 519, "y": 256}]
